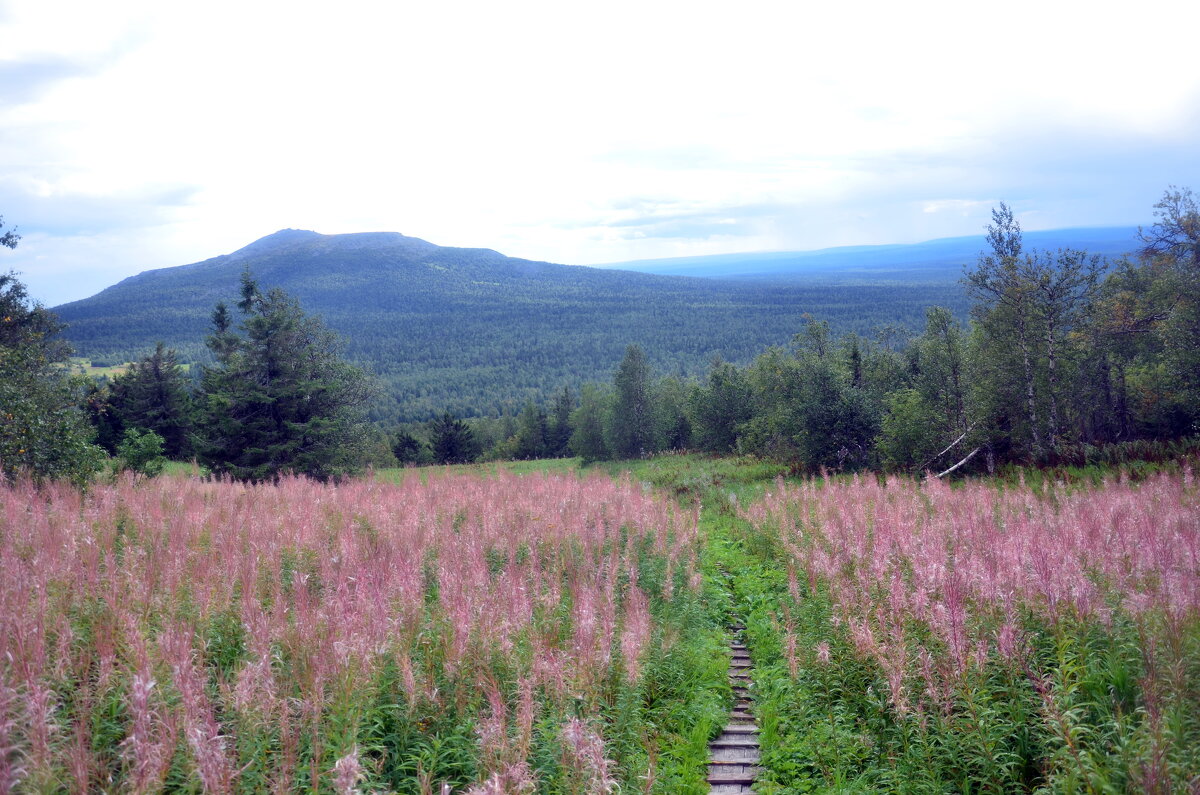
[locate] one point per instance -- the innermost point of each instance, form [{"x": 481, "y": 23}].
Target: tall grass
[
  {"x": 501, "y": 634},
  {"x": 987, "y": 638}
]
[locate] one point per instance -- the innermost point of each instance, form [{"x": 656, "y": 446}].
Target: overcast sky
[{"x": 136, "y": 135}]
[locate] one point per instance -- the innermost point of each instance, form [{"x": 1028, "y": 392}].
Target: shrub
[{"x": 141, "y": 452}]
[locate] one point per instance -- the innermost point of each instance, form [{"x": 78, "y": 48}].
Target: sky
[{"x": 137, "y": 134}]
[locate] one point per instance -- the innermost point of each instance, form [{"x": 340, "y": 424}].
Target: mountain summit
[{"x": 472, "y": 330}]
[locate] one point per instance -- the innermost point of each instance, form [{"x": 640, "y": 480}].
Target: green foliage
[
  {"x": 141, "y": 452},
  {"x": 836, "y": 422},
  {"x": 1030, "y": 308},
  {"x": 928, "y": 424},
  {"x": 669, "y": 409},
  {"x": 476, "y": 333},
  {"x": 408, "y": 449},
  {"x": 588, "y": 421},
  {"x": 558, "y": 440},
  {"x": 154, "y": 394},
  {"x": 719, "y": 409},
  {"x": 43, "y": 432},
  {"x": 630, "y": 429},
  {"x": 941, "y": 371},
  {"x": 532, "y": 433},
  {"x": 806, "y": 408},
  {"x": 1150, "y": 322},
  {"x": 909, "y": 435},
  {"x": 452, "y": 440},
  {"x": 280, "y": 399}
]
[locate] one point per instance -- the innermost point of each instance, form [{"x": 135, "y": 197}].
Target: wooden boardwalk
[{"x": 733, "y": 756}]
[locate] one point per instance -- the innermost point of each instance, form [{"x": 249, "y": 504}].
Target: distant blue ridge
[{"x": 940, "y": 260}]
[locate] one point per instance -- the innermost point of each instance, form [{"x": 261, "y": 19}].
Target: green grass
[
  {"x": 78, "y": 365},
  {"x": 81, "y": 365},
  {"x": 694, "y": 476},
  {"x": 545, "y": 465},
  {"x": 182, "y": 469}
]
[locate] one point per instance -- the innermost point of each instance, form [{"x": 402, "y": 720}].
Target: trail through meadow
[{"x": 569, "y": 633}]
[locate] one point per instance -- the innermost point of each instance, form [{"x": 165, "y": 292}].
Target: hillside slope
[{"x": 472, "y": 330}]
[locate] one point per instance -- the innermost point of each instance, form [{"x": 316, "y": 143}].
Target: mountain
[
  {"x": 930, "y": 262},
  {"x": 474, "y": 331}
]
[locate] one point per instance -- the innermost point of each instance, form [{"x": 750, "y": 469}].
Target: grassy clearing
[
  {"x": 503, "y": 633},
  {"x": 1039, "y": 632},
  {"x": 925, "y": 639},
  {"x": 991, "y": 636},
  {"x": 425, "y": 473},
  {"x": 77, "y": 365}
]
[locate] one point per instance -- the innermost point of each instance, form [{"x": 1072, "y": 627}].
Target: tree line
[
  {"x": 1067, "y": 359},
  {"x": 278, "y": 399},
  {"x": 1065, "y": 356}
]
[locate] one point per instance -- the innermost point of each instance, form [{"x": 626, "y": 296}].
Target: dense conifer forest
[
  {"x": 1067, "y": 358},
  {"x": 477, "y": 333},
  {"x": 1038, "y": 356}
]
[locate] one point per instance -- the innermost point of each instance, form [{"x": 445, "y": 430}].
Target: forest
[
  {"x": 1067, "y": 359},
  {"x": 477, "y": 333},
  {"x": 265, "y": 619}
]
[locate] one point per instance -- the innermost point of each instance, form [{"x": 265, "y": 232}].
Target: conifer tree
[
  {"x": 719, "y": 408},
  {"x": 407, "y": 448},
  {"x": 559, "y": 434},
  {"x": 153, "y": 395},
  {"x": 532, "y": 432},
  {"x": 452, "y": 440},
  {"x": 280, "y": 399}
]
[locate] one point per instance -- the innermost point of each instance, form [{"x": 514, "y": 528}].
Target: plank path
[{"x": 733, "y": 756}]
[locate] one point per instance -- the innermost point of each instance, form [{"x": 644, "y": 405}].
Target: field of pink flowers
[
  {"x": 988, "y": 637},
  {"x": 490, "y": 633}
]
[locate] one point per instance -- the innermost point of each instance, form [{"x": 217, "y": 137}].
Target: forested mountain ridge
[
  {"x": 927, "y": 262},
  {"x": 474, "y": 331}
]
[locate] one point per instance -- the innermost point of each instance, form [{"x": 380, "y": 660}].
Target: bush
[{"x": 141, "y": 452}]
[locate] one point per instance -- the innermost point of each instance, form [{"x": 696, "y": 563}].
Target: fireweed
[
  {"x": 343, "y": 638},
  {"x": 1050, "y": 638}
]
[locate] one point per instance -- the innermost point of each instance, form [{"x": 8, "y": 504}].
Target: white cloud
[{"x": 522, "y": 126}]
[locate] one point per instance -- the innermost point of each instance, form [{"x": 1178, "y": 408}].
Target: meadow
[
  {"x": 78, "y": 365},
  {"x": 485, "y": 630},
  {"x": 498, "y": 634},
  {"x": 983, "y": 637}
]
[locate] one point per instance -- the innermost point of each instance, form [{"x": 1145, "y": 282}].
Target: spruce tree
[
  {"x": 280, "y": 399},
  {"x": 558, "y": 439},
  {"x": 452, "y": 440},
  {"x": 532, "y": 432},
  {"x": 407, "y": 448},
  {"x": 720, "y": 408},
  {"x": 153, "y": 395}
]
